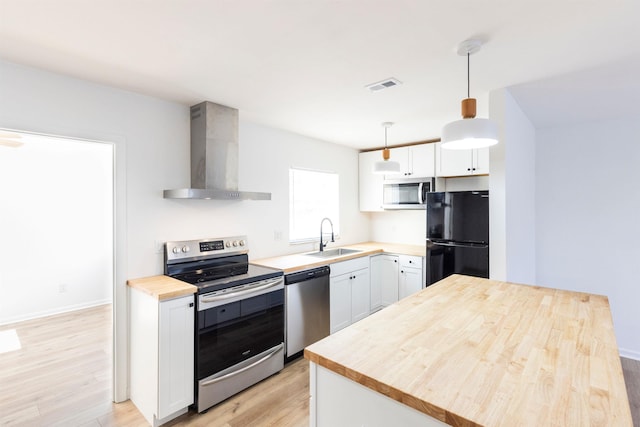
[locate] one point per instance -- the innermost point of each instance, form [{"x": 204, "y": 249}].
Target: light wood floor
[{"x": 62, "y": 377}]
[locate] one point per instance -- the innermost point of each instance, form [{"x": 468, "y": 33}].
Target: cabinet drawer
[
  {"x": 344, "y": 267},
  {"x": 409, "y": 261}
]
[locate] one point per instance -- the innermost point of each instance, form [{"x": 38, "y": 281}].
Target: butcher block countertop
[
  {"x": 162, "y": 287},
  {"x": 477, "y": 352},
  {"x": 302, "y": 261}
]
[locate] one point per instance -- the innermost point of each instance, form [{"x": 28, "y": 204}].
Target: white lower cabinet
[
  {"x": 384, "y": 280},
  {"x": 161, "y": 347},
  {"x": 349, "y": 292},
  {"x": 410, "y": 279},
  {"x": 394, "y": 277},
  {"x": 338, "y": 401}
]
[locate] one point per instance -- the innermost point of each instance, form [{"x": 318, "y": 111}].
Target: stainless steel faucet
[{"x": 332, "y": 239}]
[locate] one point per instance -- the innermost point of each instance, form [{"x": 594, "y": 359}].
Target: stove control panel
[{"x": 186, "y": 249}]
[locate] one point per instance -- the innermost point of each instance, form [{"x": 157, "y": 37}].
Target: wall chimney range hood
[{"x": 214, "y": 156}]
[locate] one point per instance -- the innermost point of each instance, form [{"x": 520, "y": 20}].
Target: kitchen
[{"x": 100, "y": 112}]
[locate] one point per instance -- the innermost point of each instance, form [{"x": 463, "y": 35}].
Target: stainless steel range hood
[{"x": 214, "y": 156}]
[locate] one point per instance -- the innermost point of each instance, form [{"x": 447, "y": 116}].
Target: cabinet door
[
  {"x": 375, "y": 291},
  {"x": 400, "y": 155},
  {"x": 453, "y": 162},
  {"x": 388, "y": 279},
  {"x": 360, "y": 296},
  {"x": 410, "y": 281},
  {"x": 481, "y": 161},
  {"x": 175, "y": 355},
  {"x": 340, "y": 302},
  {"x": 423, "y": 162},
  {"x": 370, "y": 184}
]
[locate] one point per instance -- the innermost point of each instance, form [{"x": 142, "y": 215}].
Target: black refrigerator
[{"x": 457, "y": 234}]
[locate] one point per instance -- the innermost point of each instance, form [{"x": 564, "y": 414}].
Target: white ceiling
[{"x": 302, "y": 65}]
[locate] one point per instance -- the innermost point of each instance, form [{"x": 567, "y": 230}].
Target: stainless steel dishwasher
[{"x": 306, "y": 309}]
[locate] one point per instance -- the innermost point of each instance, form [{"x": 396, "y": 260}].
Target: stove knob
[
  {"x": 185, "y": 249},
  {"x": 176, "y": 250},
  {"x": 235, "y": 243},
  {"x": 241, "y": 242},
  {"x": 228, "y": 244}
]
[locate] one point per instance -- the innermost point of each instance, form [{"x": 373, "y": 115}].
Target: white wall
[
  {"x": 512, "y": 184},
  {"x": 151, "y": 139},
  {"x": 57, "y": 219},
  {"x": 588, "y": 216},
  {"x": 266, "y": 154},
  {"x": 408, "y": 227}
]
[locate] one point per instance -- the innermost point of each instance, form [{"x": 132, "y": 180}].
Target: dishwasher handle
[{"x": 302, "y": 276}]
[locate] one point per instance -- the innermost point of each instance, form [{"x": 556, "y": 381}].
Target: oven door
[{"x": 239, "y": 339}]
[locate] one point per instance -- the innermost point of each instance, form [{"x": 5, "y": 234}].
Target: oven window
[{"x": 234, "y": 332}]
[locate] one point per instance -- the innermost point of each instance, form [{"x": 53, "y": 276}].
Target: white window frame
[{"x": 310, "y": 202}]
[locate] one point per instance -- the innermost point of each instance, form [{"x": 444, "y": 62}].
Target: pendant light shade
[
  {"x": 10, "y": 139},
  {"x": 469, "y": 132},
  {"x": 386, "y": 166}
]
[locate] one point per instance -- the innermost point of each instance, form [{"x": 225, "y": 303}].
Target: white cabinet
[
  {"x": 349, "y": 292},
  {"x": 336, "y": 400},
  {"x": 339, "y": 302},
  {"x": 416, "y": 161},
  {"x": 410, "y": 279},
  {"x": 394, "y": 277},
  {"x": 370, "y": 184},
  {"x": 461, "y": 162},
  {"x": 161, "y": 349},
  {"x": 384, "y": 280}
]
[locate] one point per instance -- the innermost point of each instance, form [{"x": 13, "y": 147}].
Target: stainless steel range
[{"x": 239, "y": 336}]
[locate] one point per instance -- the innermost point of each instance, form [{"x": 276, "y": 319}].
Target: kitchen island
[{"x": 473, "y": 352}]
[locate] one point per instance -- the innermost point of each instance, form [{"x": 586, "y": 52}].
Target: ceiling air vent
[{"x": 384, "y": 84}]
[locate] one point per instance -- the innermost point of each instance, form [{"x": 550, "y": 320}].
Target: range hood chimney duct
[{"x": 214, "y": 156}]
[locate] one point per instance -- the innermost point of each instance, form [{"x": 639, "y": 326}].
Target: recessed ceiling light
[{"x": 384, "y": 84}]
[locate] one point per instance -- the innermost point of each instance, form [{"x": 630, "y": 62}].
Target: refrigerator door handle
[{"x": 457, "y": 245}]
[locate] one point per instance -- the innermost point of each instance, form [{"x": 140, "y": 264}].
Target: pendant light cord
[
  {"x": 468, "y": 78},
  {"x": 385, "y": 137}
]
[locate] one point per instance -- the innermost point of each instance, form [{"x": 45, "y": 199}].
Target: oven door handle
[
  {"x": 272, "y": 353},
  {"x": 243, "y": 292}
]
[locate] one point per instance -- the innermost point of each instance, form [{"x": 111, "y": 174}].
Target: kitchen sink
[{"x": 334, "y": 252}]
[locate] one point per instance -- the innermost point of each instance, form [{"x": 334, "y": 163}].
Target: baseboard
[
  {"x": 629, "y": 354},
  {"x": 51, "y": 312}
]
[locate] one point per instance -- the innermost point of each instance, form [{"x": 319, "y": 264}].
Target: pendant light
[
  {"x": 10, "y": 139},
  {"x": 386, "y": 166},
  {"x": 469, "y": 132}
]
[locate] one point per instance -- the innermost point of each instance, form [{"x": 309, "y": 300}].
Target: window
[{"x": 313, "y": 195}]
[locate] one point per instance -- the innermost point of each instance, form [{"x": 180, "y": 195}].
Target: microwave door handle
[{"x": 421, "y": 193}]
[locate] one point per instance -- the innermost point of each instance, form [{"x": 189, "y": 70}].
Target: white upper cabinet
[
  {"x": 461, "y": 162},
  {"x": 370, "y": 184},
  {"x": 416, "y": 161}
]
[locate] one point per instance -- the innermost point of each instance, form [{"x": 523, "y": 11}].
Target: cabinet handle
[
  {"x": 190, "y": 304},
  {"x": 401, "y": 271},
  {"x": 469, "y": 169},
  {"x": 395, "y": 260}
]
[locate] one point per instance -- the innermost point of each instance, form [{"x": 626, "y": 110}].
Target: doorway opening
[{"x": 56, "y": 268}]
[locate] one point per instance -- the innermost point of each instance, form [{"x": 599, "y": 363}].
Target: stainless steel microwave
[{"x": 407, "y": 193}]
